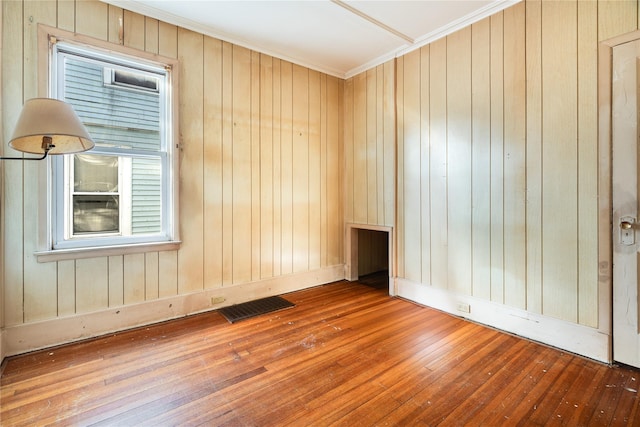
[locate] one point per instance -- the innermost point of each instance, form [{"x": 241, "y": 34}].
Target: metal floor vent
[{"x": 246, "y": 310}]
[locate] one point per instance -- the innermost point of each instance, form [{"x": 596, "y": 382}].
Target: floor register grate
[{"x": 246, "y": 310}]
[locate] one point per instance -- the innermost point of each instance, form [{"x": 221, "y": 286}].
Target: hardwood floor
[{"x": 347, "y": 354}]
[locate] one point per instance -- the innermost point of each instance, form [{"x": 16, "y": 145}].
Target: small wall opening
[
  {"x": 369, "y": 256},
  {"x": 373, "y": 258}
]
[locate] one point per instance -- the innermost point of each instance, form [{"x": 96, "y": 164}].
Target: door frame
[
  {"x": 605, "y": 178},
  {"x": 351, "y": 251}
]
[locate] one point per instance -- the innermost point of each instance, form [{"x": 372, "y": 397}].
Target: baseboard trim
[
  {"x": 2, "y": 351},
  {"x": 582, "y": 340},
  {"x": 28, "y": 337}
]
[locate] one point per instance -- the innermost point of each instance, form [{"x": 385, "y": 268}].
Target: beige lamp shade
[{"x": 44, "y": 118}]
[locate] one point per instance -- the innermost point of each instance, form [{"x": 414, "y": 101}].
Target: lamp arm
[
  {"x": 47, "y": 144},
  {"x": 26, "y": 158}
]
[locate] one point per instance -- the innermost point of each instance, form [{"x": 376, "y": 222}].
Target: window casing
[{"x": 122, "y": 192}]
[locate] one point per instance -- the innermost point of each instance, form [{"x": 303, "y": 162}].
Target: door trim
[
  {"x": 605, "y": 178},
  {"x": 351, "y": 251}
]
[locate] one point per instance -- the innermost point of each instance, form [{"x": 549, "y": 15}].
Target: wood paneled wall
[
  {"x": 369, "y": 146},
  {"x": 497, "y": 182},
  {"x": 260, "y": 169},
  {"x": 2, "y": 346}
]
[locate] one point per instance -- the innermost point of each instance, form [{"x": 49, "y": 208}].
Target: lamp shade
[{"x": 46, "y": 117}]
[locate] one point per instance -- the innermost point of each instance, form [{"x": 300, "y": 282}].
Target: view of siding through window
[
  {"x": 96, "y": 197},
  {"x": 120, "y": 109}
]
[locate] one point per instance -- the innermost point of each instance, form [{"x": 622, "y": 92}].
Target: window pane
[
  {"x": 95, "y": 214},
  {"x": 114, "y": 115},
  {"x": 146, "y": 200},
  {"x": 133, "y": 80},
  {"x": 95, "y": 173}
]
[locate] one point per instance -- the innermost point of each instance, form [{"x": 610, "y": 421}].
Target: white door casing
[{"x": 625, "y": 232}]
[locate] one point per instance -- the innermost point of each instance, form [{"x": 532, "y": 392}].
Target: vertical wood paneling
[
  {"x": 241, "y": 164},
  {"x": 168, "y": 274},
  {"x": 369, "y": 132},
  {"x": 534, "y": 155},
  {"x": 360, "y": 198},
  {"x": 616, "y": 17},
  {"x": 497, "y": 159},
  {"x": 438, "y": 167},
  {"x": 315, "y": 197},
  {"x": 92, "y": 287},
  {"x": 340, "y": 175},
  {"x": 227, "y": 164},
  {"x": 114, "y": 25},
  {"x": 380, "y": 124},
  {"x": 459, "y": 160},
  {"x": 67, "y": 15},
  {"x": 389, "y": 152},
  {"x": 514, "y": 157},
  {"x": 13, "y": 244},
  {"x": 400, "y": 227},
  {"x": 300, "y": 170},
  {"x": 67, "y": 288},
  {"x": 240, "y": 171},
  {"x": 213, "y": 166},
  {"x": 324, "y": 177},
  {"x": 151, "y": 276},
  {"x": 481, "y": 158},
  {"x": 91, "y": 19},
  {"x": 151, "y": 37},
  {"x": 372, "y": 146},
  {"x": 277, "y": 168},
  {"x": 167, "y": 40},
  {"x": 40, "y": 279},
  {"x": 425, "y": 167},
  {"x": 491, "y": 81},
  {"x": 266, "y": 166},
  {"x": 411, "y": 176},
  {"x": 190, "y": 257},
  {"x": 255, "y": 166},
  {"x": 587, "y": 163},
  {"x": 134, "y": 278},
  {"x": 386, "y": 174},
  {"x": 133, "y": 30},
  {"x": 349, "y": 148},
  {"x": 335, "y": 174},
  {"x": 559, "y": 159},
  {"x": 286, "y": 166},
  {"x": 116, "y": 280}
]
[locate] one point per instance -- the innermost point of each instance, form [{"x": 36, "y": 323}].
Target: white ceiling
[{"x": 337, "y": 37}]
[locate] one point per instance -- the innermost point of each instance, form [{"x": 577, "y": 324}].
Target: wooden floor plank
[
  {"x": 495, "y": 391},
  {"x": 347, "y": 354}
]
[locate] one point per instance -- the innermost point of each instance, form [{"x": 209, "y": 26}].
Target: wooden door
[{"x": 626, "y": 223}]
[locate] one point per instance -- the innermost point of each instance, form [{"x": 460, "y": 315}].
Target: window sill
[{"x": 80, "y": 253}]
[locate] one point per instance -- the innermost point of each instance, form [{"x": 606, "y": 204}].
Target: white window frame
[{"x": 53, "y": 245}]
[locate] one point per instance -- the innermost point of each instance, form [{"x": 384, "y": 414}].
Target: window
[{"x": 123, "y": 191}]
